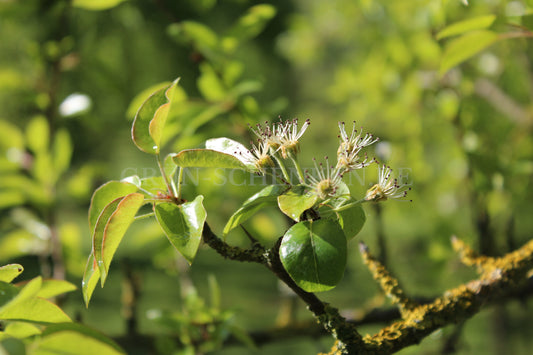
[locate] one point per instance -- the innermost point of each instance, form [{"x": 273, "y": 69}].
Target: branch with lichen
[{"x": 499, "y": 277}]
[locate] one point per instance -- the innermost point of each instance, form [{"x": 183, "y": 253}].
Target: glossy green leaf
[
  {"x": 265, "y": 197},
  {"x": 233, "y": 148},
  {"x": 90, "y": 279},
  {"x": 183, "y": 225},
  {"x": 314, "y": 254},
  {"x": 38, "y": 134},
  {"x": 73, "y": 338},
  {"x": 51, "y": 288},
  {"x": 206, "y": 158},
  {"x": 295, "y": 201},
  {"x": 96, "y": 4},
  {"x": 99, "y": 230},
  {"x": 472, "y": 24},
  {"x": 116, "y": 227},
  {"x": 141, "y": 97},
  {"x": 464, "y": 47},
  {"x": 9, "y": 272},
  {"x": 104, "y": 195},
  {"x": 150, "y": 120},
  {"x": 351, "y": 220}
]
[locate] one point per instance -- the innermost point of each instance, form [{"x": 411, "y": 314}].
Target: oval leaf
[
  {"x": 183, "y": 225},
  {"x": 352, "y": 220},
  {"x": 295, "y": 201},
  {"x": 36, "y": 310},
  {"x": 206, "y": 158},
  {"x": 233, "y": 148},
  {"x": 464, "y": 47},
  {"x": 116, "y": 227},
  {"x": 472, "y": 24},
  {"x": 95, "y": 5},
  {"x": 266, "y": 196},
  {"x": 10, "y": 272},
  {"x": 52, "y": 288},
  {"x": 60, "y": 339},
  {"x": 90, "y": 279},
  {"x": 149, "y": 121},
  {"x": 314, "y": 254},
  {"x": 104, "y": 195}
]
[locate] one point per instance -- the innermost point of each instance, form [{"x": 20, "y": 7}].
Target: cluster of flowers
[{"x": 280, "y": 141}]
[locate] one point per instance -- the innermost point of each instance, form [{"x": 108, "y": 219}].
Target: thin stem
[
  {"x": 294, "y": 160},
  {"x": 180, "y": 181},
  {"x": 350, "y": 205},
  {"x": 165, "y": 177},
  {"x": 282, "y": 167},
  {"x": 144, "y": 216}
]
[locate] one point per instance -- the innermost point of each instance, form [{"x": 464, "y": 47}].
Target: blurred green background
[{"x": 72, "y": 75}]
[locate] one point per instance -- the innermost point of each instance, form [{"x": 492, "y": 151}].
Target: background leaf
[
  {"x": 464, "y": 47},
  {"x": 183, "y": 225},
  {"x": 314, "y": 254},
  {"x": 471, "y": 24},
  {"x": 96, "y": 4}
]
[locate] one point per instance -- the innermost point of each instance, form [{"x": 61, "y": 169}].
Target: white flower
[
  {"x": 327, "y": 181},
  {"x": 348, "y": 157},
  {"x": 386, "y": 188}
]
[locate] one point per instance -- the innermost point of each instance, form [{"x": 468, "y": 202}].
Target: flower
[
  {"x": 283, "y": 135},
  {"x": 386, "y": 187},
  {"x": 329, "y": 179},
  {"x": 260, "y": 155},
  {"x": 348, "y": 157}
]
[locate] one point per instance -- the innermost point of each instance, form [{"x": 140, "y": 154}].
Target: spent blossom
[
  {"x": 348, "y": 154},
  {"x": 386, "y": 188},
  {"x": 327, "y": 181}
]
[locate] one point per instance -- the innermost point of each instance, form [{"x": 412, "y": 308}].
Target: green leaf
[
  {"x": 35, "y": 310},
  {"x": 252, "y": 23},
  {"x": 351, "y": 220},
  {"x": 116, "y": 227},
  {"x": 267, "y": 196},
  {"x": 27, "y": 292},
  {"x": 99, "y": 230},
  {"x": 10, "y": 271},
  {"x": 73, "y": 338},
  {"x": 7, "y": 293},
  {"x": 38, "y": 134},
  {"x": 150, "y": 120},
  {"x": 10, "y": 136},
  {"x": 183, "y": 225},
  {"x": 52, "y": 288},
  {"x": 209, "y": 84},
  {"x": 472, "y": 24},
  {"x": 295, "y": 201},
  {"x": 104, "y": 195},
  {"x": 314, "y": 254},
  {"x": 21, "y": 330},
  {"x": 62, "y": 152},
  {"x": 141, "y": 97},
  {"x": 464, "y": 47},
  {"x": 233, "y": 148},
  {"x": 207, "y": 158},
  {"x": 90, "y": 279},
  {"x": 96, "y": 5}
]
